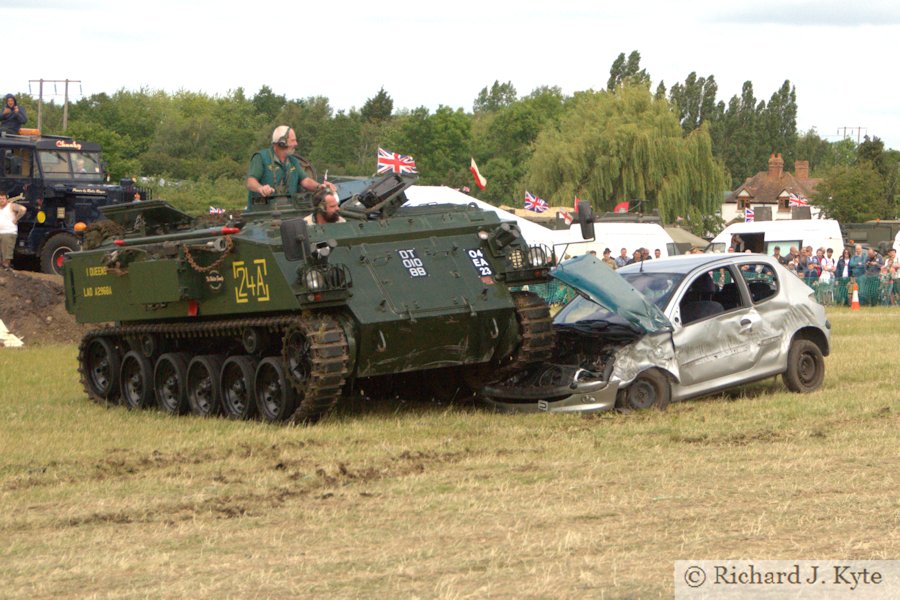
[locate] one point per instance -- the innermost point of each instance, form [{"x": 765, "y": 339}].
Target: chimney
[
  {"x": 776, "y": 166},
  {"x": 801, "y": 169}
]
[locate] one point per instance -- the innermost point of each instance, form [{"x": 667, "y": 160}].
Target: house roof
[{"x": 766, "y": 186}]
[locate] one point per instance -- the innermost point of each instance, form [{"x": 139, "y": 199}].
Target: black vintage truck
[{"x": 62, "y": 183}]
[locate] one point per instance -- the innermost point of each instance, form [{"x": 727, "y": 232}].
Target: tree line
[{"x": 676, "y": 149}]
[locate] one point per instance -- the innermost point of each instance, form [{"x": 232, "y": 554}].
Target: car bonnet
[{"x": 608, "y": 289}]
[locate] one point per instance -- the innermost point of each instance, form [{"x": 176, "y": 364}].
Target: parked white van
[
  {"x": 616, "y": 236},
  {"x": 763, "y": 236}
]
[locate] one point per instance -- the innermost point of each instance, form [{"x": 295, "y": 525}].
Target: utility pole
[
  {"x": 41, "y": 83},
  {"x": 858, "y": 130}
]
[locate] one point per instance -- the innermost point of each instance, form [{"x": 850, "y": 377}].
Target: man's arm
[
  {"x": 18, "y": 212},
  {"x": 255, "y": 186},
  {"x": 312, "y": 185}
]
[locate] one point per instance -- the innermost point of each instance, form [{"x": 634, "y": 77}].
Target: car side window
[
  {"x": 728, "y": 294},
  {"x": 699, "y": 301},
  {"x": 761, "y": 280}
]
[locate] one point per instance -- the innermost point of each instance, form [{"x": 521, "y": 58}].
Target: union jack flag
[
  {"x": 395, "y": 163},
  {"x": 216, "y": 211},
  {"x": 534, "y": 203},
  {"x": 796, "y": 200},
  {"x": 748, "y": 215}
]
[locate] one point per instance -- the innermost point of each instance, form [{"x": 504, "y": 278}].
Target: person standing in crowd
[
  {"x": 857, "y": 263},
  {"x": 657, "y": 253},
  {"x": 277, "y": 170},
  {"x": 828, "y": 265},
  {"x": 870, "y": 286},
  {"x": 891, "y": 272},
  {"x": 10, "y": 213},
  {"x": 610, "y": 262},
  {"x": 842, "y": 277},
  {"x": 13, "y": 116},
  {"x": 622, "y": 259}
]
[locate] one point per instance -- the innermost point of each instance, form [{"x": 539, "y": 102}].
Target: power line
[{"x": 858, "y": 131}]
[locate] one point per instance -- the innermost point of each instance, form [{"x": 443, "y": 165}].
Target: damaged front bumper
[{"x": 594, "y": 396}]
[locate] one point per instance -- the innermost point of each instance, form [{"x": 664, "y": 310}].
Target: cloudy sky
[{"x": 840, "y": 55}]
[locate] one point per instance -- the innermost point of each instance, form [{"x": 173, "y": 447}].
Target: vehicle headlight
[
  {"x": 537, "y": 257},
  {"x": 517, "y": 260},
  {"x": 314, "y": 281}
]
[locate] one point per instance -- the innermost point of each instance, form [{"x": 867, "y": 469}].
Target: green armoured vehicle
[{"x": 271, "y": 314}]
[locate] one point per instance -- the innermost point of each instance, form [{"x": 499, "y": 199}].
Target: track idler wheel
[
  {"x": 316, "y": 358},
  {"x": 99, "y": 362}
]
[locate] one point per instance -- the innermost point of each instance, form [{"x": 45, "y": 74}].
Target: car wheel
[
  {"x": 649, "y": 389},
  {"x": 805, "y": 367}
]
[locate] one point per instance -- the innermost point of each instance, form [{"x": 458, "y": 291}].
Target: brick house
[{"x": 772, "y": 189}]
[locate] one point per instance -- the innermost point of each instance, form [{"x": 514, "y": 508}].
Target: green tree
[
  {"x": 694, "y": 100},
  {"x": 626, "y": 145},
  {"x": 852, "y": 194},
  {"x": 779, "y": 122},
  {"x": 814, "y": 149},
  {"x": 378, "y": 108},
  {"x": 886, "y": 163},
  {"x": 499, "y": 96},
  {"x": 267, "y": 103},
  {"x": 627, "y": 71}
]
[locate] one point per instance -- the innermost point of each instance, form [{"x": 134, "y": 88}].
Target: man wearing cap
[
  {"x": 609, "y": 260},
  {"x": 277, "y": 170}
]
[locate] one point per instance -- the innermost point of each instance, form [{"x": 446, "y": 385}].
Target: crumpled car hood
[{"x": 601, "y": 284}]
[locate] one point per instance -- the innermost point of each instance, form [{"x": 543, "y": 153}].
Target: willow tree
[{"x": 626, "y": 145}]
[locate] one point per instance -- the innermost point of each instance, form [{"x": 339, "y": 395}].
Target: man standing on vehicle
[
  {"x": 277, "y": 170},
  {"x": 13, "y": 116},
  {"x": 10, "y": 213}
]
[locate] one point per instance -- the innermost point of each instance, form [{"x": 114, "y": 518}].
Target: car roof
[{"x": 690, "y": 262}]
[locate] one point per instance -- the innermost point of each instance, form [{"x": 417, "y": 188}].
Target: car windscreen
[
  {"x": 584, "y": 314},
  {"x": 658, "y": 288}
]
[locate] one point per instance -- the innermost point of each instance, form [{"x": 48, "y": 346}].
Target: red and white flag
[
  {"x": 796, "y": 200},
  {"x": 534, "y": 203},
  {"x": 479, "y": 180},
  {"x": 395, "y": 163},
  {"x": 621, "y": 207}
]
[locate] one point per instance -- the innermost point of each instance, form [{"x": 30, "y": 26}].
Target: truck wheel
[
  {"x": 54, "y": 252},
  {"x": 204, "y": 394},
  {"x": 136, "y": 380},
  {"x": 170, "y": 382},
  {"x": 99, "y": 361}
]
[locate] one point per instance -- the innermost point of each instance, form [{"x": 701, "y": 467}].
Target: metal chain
[{"x": 229, "y": 244}]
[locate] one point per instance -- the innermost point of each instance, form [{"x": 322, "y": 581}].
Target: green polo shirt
[{"x": 268, "y": 170}]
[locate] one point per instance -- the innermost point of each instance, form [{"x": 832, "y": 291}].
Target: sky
[{"x": 840, "y": 55}]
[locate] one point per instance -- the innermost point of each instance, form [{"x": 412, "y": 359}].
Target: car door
[{"x": 714, "y": 326}]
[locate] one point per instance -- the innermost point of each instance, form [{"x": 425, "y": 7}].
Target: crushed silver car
[{"x": 672, "y": 329}]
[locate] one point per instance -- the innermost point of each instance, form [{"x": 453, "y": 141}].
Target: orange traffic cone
[{"x": 854, "y": 303}]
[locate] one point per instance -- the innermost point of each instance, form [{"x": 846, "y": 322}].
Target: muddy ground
[{"x": 32, "y": 306}]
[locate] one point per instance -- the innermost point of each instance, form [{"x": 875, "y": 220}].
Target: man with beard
[
  {"x": 276, "y": 170},
  {"x": 328, "y": 210}
]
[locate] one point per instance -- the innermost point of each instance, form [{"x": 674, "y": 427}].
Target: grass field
[{"x": 431, "y": 501}]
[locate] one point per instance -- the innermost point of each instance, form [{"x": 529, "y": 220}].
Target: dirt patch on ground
[{"x": 33, "y": 308}]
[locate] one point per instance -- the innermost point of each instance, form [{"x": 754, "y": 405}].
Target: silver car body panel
[{"x": 742, "y": 344}]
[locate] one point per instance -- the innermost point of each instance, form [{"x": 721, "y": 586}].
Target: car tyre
[
  {"x": 650, "y": 389},
  {"x": 805, "y": 367}
]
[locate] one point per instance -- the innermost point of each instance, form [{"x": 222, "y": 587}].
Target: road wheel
[
  {"x": 276, "y": 399},
  {"x": 805, "y": 367},
  {"x": 136, "y": 380},
  {"x": 649, "y": 389},
  {"x": 54, "y": 252},
  {"x": 99, "y": 361},
  {"x": 203, "y": 391},
  {"x": 236, "y": 382},
  {"x": 170, "y": 382}
]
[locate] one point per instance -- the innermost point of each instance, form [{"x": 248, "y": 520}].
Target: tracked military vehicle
[{"x": 274, "y": 316}]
